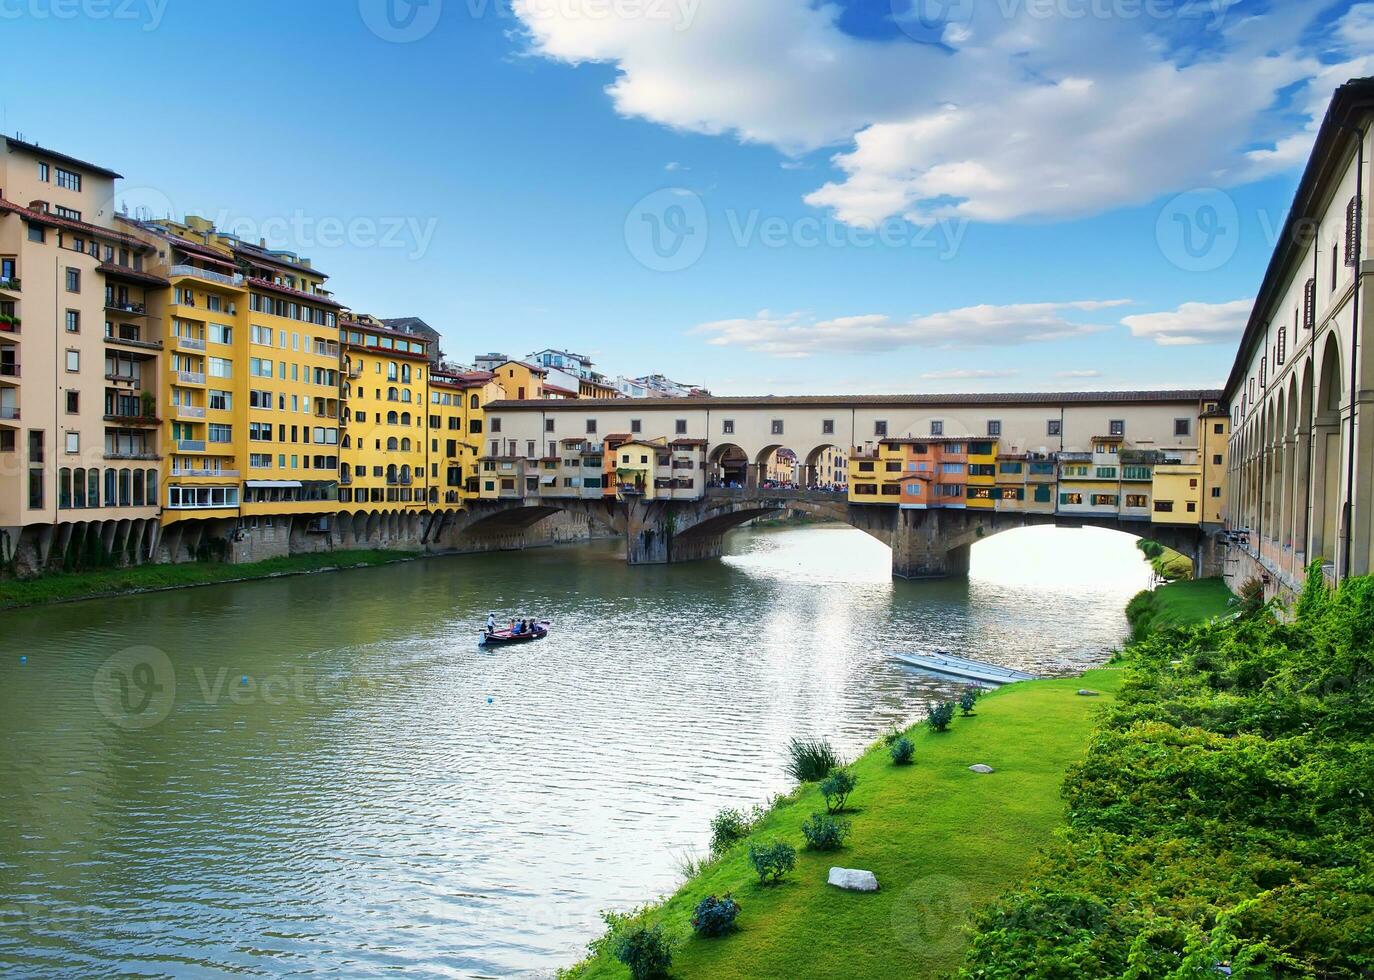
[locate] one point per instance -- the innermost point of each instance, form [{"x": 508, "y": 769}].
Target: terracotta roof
[
  {"x": 525, "y": 364},
  {"x": 56, "y": 221},
  {"x": 202, "y": 251},
  {"x": 277, "y": 287},
  {"x": 1010, "y": 399},
  {"x": 62, "y": 158},
  {"x": 559, "y": 388},
  {"x": 688, "y": 442},
  {"x": 134, "y": 275},
  {"x": 269, "y": 257}
]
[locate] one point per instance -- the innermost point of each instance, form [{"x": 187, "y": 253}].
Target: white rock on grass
[
  {"x": 980, "y": 768},
  {"x": 853, "y": 880},
  {"x": 1085, "y": 693}
]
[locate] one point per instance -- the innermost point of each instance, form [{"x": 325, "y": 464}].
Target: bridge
[{"x": 929, "y": 476}]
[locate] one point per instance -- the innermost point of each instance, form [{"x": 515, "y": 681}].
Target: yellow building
[
  {"x": 386, "y": 461},
  {"x": 523, "y": 381},
  {"x": 1213, "y": 448},
  {"x": 982, "y": 474}
]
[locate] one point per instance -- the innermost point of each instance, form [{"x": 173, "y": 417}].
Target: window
[
  {"x": 1054, "y": 427},
  {"x": 937, "y": 427},
  {"x": 36, "y": 233},
  {"x": 73, "y": 216},
  {"x": 994, "y": 427},
  {"x": 1216, "y": 491},
  {"x": 73, "y": 402},
  {"x": 68, "y": 179},
  {"x": 548, "y": 425},
  {"x": 827, "y": 427},
  {"x": 260, "y": 335},
  {"x": 1070, "y": 499},
  {"x": 776, "y": 427},
  {"x": 1042, "y": 494},
  {"x": 636, "y": 425},
  {"x": 73, "y": 360},
  {"x": 1352, "y": 230},
  {"x": 221, "y": 333},
  {"x": 880, "y": 429},
  {"x": 1164, "y": 506},
  {"x": 73, "y": 280},
  {"x": 73, "y": 442},
  {"x": 1192, "y": 507},
  {"x": 221, "y": 401},
  {"x": 1136, "y": 500},
  {"x": 221, "y": 433},
  {"x": 681, "y": 427},
  {"x": 73, "y": 321},
  {"x": 1117, "y": 427},
  {"x": 591, "y": 426},
  {"x": 1104, "y": 500},
  {"x": 1309, "y": 304},
  {"x": 43, "y": 173},
  {"x": 1183, "y": 427},
  {"x": 1106, "y": 472},
  {"x": 728, "y": 427}
]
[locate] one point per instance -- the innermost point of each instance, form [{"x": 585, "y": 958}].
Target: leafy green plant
[
  {"x": 940, "y": 716},
  {"x": 810, "y": 759},
  {"x": 727, "y": 827},
  {"x": 968, "y": 698},
  {"x": 824, "y": 832},
  {"x": 902, "y": 752},
  {"x": 645, "y": 951},
  {"x": 836, "y": 789},
  {"x": 715, "y": 916},
  {"x": 772, "y": 861},
  {"x": 1251, "y": 596}
]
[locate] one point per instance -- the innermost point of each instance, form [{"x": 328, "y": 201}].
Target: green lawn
[
  {"x": 15, "y": 594},
  {"x": 942, "y": 840},
  {"x": 1178, "y": 604}
]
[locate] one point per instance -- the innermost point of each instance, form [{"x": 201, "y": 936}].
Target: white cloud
[
  {"x": 801, "y": 335},
  {"x": 1014, "y": 115},
  {"x": 1193, "y": 323},
  {"x": 1084, "y": 373},
  {"x": 968, "y": 374}
]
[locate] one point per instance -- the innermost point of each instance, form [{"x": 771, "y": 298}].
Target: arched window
[
  {"x": 391, "y": 473},
  {"x": 391, "y": 418},
  {"x": 405, "y": 418},
  {"x": 405, "y": 445},
  {"x": 472, "y": 401},
  {"x": 391, "y": 370},
  {"x": 126, "y": 487},
  {"x": 405, "y": 472},
  {"x": 392, "y": 444},
  {"x": 405, "y": 373},
  {"x": 93, "y": 487},
  {"x": 138, "y": 488},
  {"x": 111, "y": 493},
  {"x": 345, "y": 471},
  {"x": 152, "y": 488},
  {"x": 64, "y": 489},
  {"x": 346, "y": 442},
  {"x": 392, "y": 395},
  {"x": 405, "y": 394},
  {"x": 79, "y": 489}
]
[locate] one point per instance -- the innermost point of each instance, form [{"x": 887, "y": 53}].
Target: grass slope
[
  {"x": 942, "y": 841},
  {"x": 16, "y": 594},
  {"x": 1178, "y": 604}
]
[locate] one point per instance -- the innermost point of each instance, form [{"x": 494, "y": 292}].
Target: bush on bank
[{"x": 1223, "y": 819}]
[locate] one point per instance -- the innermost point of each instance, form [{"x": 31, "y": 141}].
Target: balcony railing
[
  {"x": 190, "y": 343},
  {"x": 132, "y": 379},
  {"x": 191, "y": 377},
  {"x": 190, "y": 412},
  {"x": 9, "y": 370},
  {"x": 190, "y": 445},
  {"x": 181, "y": 471},
  {"x": 224, "y": 280},
  {"x": 130, "y": 454},
  {"x": 131, "y": 418},
  {"x": 11, "y": 284},
  {"x": 133, "y": 309},
  {"x": 114, "y": 338},
  {"x": 10, "y": 412}
]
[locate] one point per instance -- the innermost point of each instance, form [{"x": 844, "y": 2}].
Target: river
[{"x": 324, "y": 774}]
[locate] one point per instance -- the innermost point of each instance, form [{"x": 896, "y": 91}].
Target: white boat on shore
[{"x": 947, "y": 665}]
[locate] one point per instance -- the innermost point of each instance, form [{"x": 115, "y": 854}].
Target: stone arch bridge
[{"x": 931, "y": 543}]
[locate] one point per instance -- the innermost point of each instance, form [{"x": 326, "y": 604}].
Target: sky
[{"x": 758, "y": 196}]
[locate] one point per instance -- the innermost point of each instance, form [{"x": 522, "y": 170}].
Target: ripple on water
[{"x": 361, "y": 808}]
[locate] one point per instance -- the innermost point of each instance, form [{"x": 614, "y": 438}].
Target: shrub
[
  {"x": 645, "y": 951},
  {"x": 902, "y": 752},
  {"x": 1251, "y": 595},
  {"x": 727, "y": 827},
  {"x": 811, "y": 759},
  {"x": 836, "y": 789},
  {"x": 968, "y": 699},
  {"x": 940, "y": 716},
  {"x": 771, "y": 861},
  {"x": 824, "y": 832},
  {"x": 715, "y": 916}
]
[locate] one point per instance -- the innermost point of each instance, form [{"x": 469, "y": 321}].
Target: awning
[
  {"x": 549, "y": 481},
  {"x": 270, "y": 484}
]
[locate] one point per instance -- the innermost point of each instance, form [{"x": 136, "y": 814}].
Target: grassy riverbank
[
  {"x": 64, "y": 587},
  {"x": 1177, "y": 604},
  {"x": 941, "y": 840}
]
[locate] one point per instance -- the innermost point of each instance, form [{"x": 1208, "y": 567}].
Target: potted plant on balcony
[{"x": 149, "y": 404}]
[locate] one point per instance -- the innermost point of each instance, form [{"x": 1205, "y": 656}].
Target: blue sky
[{"x": 755, "y": 195}]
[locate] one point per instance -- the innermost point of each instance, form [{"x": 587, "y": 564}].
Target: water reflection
[{"x": 344, "y": 782}]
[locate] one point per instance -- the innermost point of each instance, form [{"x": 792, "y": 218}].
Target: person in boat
[{"x": 491, "y": 622}]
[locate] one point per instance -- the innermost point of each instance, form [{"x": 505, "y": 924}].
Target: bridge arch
[{"x": 728, "y": 465}]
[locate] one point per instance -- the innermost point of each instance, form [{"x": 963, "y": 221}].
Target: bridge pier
[{"x": 930, "y": 544}]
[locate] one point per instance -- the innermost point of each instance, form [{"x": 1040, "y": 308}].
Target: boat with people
[
  {"x": 946, "y": 664},
  {"x": 519, "y": 631}
]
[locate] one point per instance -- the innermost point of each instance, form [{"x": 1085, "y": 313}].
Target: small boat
[
  {"x": 946, "y": 664},
  {"x": 506, "y": 637}
]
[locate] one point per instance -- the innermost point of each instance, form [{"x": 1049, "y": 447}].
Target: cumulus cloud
[
  {"x": 802, "y": 335},
  {"x": 1007, "y": 114},
  {"x": 1193, "y": 323}
]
